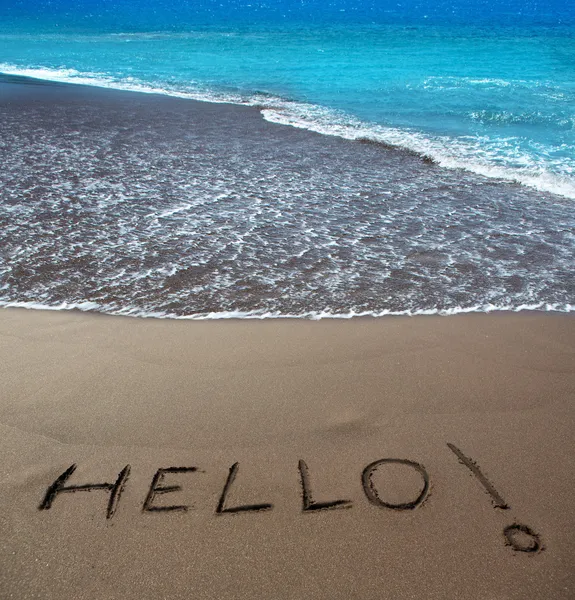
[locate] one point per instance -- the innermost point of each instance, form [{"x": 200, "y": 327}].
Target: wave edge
[
  {"x": 442, "y": 151},
  {"x": 134, "y": 312}
]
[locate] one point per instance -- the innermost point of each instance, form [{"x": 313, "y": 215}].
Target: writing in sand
[{"x": 518, "y": 536}]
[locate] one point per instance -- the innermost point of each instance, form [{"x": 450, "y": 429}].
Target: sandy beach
[
  {"x": 286, "y": 300},
  {"x": 268, "y": 443}
]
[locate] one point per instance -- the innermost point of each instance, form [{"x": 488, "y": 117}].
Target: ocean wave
[
  {"x": 309, "y": 315},
  {"x": 530, "y": 118},
  {"x": 475, "y": 154},
  {"x": 492, "y": 158},
  {"x": 453, "y": 82}
]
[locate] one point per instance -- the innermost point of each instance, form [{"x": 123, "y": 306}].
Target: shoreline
[{"x": 306, "y": 317}]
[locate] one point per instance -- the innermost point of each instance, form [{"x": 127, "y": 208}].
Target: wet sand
[{"x": 103, "y": 392}]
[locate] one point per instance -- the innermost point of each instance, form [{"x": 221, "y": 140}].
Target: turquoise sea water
[{"x": 496, "y": 99}]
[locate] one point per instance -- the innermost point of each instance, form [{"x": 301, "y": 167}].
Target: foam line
[{"x": 310, "y": 315}]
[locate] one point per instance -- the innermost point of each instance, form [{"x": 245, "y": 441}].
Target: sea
[{"x": 287, "y": 159}]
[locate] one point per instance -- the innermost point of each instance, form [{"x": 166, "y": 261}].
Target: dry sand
[{"x": 105, "y": 392}]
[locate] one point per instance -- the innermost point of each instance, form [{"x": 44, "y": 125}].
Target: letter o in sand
[
  {"x": 372, "y": 492},
  {"x": 522, "y": 538}
]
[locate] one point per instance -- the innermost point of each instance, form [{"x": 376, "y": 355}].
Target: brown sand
[{"x": 105, "y": 392}]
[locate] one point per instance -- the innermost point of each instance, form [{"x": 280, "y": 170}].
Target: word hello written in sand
[{"x": 520, "y": 537}]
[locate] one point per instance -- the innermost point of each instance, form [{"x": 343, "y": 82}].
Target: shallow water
[{"x": 155, "y": 206}]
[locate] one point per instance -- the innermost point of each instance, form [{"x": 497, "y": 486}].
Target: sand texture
[{"x": 273, "y": 435}]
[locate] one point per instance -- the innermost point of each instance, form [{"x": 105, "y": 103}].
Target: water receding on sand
[{"x": 141, "y": 204}]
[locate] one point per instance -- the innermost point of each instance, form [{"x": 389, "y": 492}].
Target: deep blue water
[{"x": 154, "y": 15}]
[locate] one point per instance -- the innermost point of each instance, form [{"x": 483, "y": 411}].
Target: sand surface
[{"x": 106, "y": 392}]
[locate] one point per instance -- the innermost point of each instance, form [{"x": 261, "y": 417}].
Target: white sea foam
[
  {"x": 308, "y": 315},
  {"x": 456, "y": 82},
  {"x": 471, "y": 154},
  {"x": 478, "y": 155}
]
